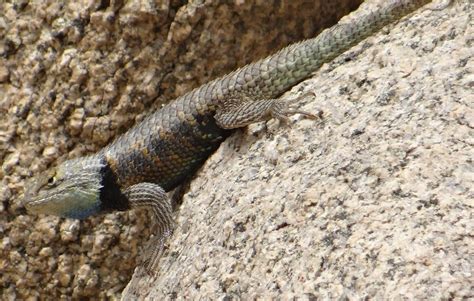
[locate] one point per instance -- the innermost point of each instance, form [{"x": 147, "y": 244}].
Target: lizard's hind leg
[{"x": 236, "y": 113}]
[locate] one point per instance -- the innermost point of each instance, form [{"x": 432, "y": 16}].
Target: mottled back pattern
[{"x": 162, "y": 150}]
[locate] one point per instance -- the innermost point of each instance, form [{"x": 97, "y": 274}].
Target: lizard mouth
[
  {"x": 37, "y": 202},
  {"x": 76, "y": 203},
  {"x": 30, "y": 201}
]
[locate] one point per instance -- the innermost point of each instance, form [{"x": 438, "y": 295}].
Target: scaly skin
[{"x": 167, "y": 147}]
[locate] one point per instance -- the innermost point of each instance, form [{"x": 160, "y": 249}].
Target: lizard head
[{"x": 71, "y": 189}]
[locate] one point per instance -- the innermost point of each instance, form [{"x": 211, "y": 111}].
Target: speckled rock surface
[
  {"x": 376, "y": 202},
  {"x": 75, "y": 74}
]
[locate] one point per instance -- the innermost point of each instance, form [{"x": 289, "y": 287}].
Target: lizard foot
[{"x": 236, "y": 113}]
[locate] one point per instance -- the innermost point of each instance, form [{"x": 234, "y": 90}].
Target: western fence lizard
[{"x": 162, "y": 151}]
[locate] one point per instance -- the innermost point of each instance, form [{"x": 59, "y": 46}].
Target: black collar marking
[{"x": 111, "y": 197}]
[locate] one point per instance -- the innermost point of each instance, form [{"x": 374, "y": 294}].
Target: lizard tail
[{"x": 272, "y": 76}]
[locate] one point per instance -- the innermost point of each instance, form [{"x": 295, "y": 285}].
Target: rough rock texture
[
  {"x": 376, "y": 202},
  {"x": 73, "y": 75}
]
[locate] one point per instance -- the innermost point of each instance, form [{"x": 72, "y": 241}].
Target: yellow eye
[{"x": 52, "y": 180}]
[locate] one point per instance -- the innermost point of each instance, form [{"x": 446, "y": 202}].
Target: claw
[{"x": 283, "y": 111}]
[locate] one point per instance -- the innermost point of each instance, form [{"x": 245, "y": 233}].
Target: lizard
[{"x": 155, "y": 156}]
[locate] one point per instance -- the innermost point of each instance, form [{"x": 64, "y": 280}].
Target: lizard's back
[{"x": 169, "y": 145}]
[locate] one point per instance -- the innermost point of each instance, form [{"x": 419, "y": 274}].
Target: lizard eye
[{"x": 52, "y": 180}]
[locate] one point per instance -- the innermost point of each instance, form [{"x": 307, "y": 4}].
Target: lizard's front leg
[{"x": 153, "y": 197}]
